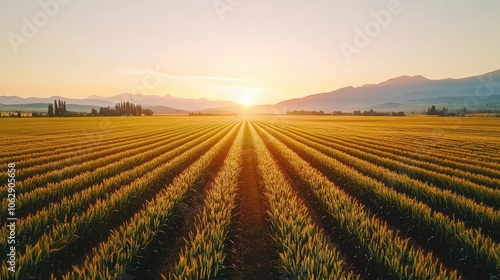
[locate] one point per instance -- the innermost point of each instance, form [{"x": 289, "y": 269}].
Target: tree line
[
  {"x": 371, "y": 112},
  {"x": 306, "y": 113},
  {"x": 211, "y": 114},
  {"x": 433, "y": 111},
  {"x": 58, "y": 109},
  {"x": 126, "y": 108}
]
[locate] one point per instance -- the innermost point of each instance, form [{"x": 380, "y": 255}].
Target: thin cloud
[
  {"x": 216, "y": 78},
  {"x": 139, "y": 72},
  {"x": 261, "y": 89}
]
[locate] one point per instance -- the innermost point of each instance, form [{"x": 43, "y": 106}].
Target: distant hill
[
  {"x": 401, "y": 93},
  {"x": 404, "y": 93},
  {"x": 165, "y": 103},
  {"x": 166, "y": 110},
  {"x": 42, "y": 107},
  {"x": 10, "y": 100},
  {"x": 186, "y": 104}
]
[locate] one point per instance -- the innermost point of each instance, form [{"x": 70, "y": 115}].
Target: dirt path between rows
[
  {"x": 254, "y": 255},
  {"x": 171, "y": 238}
]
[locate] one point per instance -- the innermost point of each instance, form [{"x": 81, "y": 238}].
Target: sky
[{"x": 251, "y": 52}]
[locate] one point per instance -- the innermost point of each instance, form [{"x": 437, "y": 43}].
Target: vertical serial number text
[{"x": 11, "y": 218}]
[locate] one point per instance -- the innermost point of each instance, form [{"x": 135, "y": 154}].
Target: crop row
[
  {"x": 65, "y": 142},
  {"x": 455, "y": 148},
  {"x": 89, "y": 173},
  {"x": 93, "y": 135},
  {"x": 388, "y": 253},
  {"x": 441, "y": 200},
  {"x": 458, "y": 185},
  {"x": 467, "y": 247},
  {"x": 95, "y": 222},
  {"x": 32, "y": 226},
  {"x": 61, "y": 161},
  {"x": 303, "y": 249},
  {"x": 204, "y": 253},
  {"x": 408, "y": 160},
  {"x": 45, "y": 173},
  {"x": 434, "y": 159},
  {"x": 467, "y": 161},
  {"x": 113, "y": 258},
  {"x": 37, "y": 164},
  {"x": 455, "y": 158}
]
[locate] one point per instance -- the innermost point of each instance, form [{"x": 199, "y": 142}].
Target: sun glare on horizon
[{"x": 246, "y": 98}]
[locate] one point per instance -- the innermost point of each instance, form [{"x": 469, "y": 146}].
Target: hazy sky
[{"x": 246, "y": 51}]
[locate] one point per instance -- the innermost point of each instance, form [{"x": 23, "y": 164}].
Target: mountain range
[
  {"x": 166, "y": 102},
  {"x": 404, "y": 93}
]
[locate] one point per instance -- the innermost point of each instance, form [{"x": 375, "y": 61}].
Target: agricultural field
[{"x": 250, "y": 197}]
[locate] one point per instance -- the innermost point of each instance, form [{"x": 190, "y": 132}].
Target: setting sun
[{"x": 246, "y": 97}]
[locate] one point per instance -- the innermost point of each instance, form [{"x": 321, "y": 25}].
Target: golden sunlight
[{"x": 246, "y": 97}]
